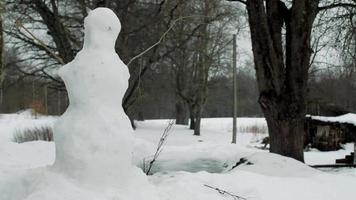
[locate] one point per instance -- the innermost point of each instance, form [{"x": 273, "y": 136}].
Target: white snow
[
  {"x": 26, "y": 155},
  {"x": 10, "y": 123},
  {"x": 316, "y": 157},
  {"x": 349, "y": 118},
  {"x": 187, "y": 163}
]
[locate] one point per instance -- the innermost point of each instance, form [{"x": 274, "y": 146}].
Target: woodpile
[{"x": 328, "y": 136}]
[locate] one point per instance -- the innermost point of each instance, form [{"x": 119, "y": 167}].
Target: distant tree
[
  {"x": 203, "y": 51},
  {"x": 2, "y": 49},
  {"x": 332, "y": 91},
  {"x": 219, "y": 101},
  {"x": 281, "y": 36}
]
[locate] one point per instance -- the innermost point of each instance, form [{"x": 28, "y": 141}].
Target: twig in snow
[
  {"x": 159, "y": 149},
  {"x": 223, "y": 192}
]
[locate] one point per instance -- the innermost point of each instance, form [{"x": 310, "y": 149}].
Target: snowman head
[{"x": 101, "y": 29}]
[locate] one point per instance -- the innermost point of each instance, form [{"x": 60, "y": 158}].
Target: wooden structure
[
  {"x": 328, "y": 133},
  {"x": 349, "y": 159}
]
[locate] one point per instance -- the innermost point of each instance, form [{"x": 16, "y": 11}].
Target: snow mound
[
  {"x": 26, "y": 155},
  {"x": 12, "y": 123},
  {"x": 271, "y": 164},
  {"x": 270, "y": 177},
  {"x": 44, "y": 183}
]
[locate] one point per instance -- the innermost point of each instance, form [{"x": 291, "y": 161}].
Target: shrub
[{"x": 255, "y": 128}]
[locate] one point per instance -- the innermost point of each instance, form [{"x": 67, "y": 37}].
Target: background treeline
[{"x": 329, "y": 94}]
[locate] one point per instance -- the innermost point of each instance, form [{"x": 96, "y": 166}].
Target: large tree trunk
[
  {"x": 286, "y": 133},
  {"x": 282, "y": 64},
  {"x": 181, "y": 113},
  {"x": 203, "y": 70},
  {"x": 286, "y": 137}
]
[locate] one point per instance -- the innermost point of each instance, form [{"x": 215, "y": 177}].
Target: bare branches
[
  {"x": 2, "y": 49},
  {"x": 223, "y": 192},
  {"x": 337, "y": 5},
  {"x": 2, "y": 44},
  {"x": 56, "y": 29},
  {"x": 241, "y": 1},
  {"x": 162, "y": 37},
  {"x": 42, "y": 44}
]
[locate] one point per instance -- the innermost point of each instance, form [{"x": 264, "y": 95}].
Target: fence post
[{"x": 234, "y": 128}]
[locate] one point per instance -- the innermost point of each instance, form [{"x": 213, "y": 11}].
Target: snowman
[{"x": 94, "y": 137}]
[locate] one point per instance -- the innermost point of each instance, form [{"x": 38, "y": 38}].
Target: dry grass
[
  {"x": 255, "y": 128},
  {"x": 44, "y": 133}
]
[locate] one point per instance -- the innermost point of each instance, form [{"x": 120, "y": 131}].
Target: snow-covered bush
[{"x": 44, "y": 133}]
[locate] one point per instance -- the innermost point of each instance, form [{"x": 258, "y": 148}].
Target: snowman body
[{"x": 94, "y": 137}]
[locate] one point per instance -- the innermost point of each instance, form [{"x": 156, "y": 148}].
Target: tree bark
[
  {"x": 1, "y": 44},
  {"x": 1, "y": 55},
  {"x": 181, "y": 113},
  {"x": 354, "y": 151},
  {"x": 192, "y": 117},
  {"x": 198, "y": 120},
  {"x": 203, "y": 69},
  {"x": 286, "y": 134},
  {"x": 192, "y": 122}
]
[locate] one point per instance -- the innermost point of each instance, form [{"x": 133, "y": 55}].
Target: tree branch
[
  {"x": 337, "y": 5},
  {"x": 159, "y": 148},
  {"x": 19, "y": 24},
  {"x": 241, "y": 1},
  {"x": 162, "y": 37},
  {"x": 223, "y": 192}
]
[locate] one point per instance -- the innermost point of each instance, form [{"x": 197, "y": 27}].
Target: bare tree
[
  {"x": 2, "y": 49},
  {"x": 281, "y": 34},
  {"x": 204, "y": 51}
]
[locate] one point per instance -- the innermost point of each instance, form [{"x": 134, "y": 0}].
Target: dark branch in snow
[
  {"x": 223, "y": 192},
  {"x": 159, "y": 149},
  {"x": 241, "y": 161}
]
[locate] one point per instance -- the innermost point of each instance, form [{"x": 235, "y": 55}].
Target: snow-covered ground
[{"x": 187, "y": 164}]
